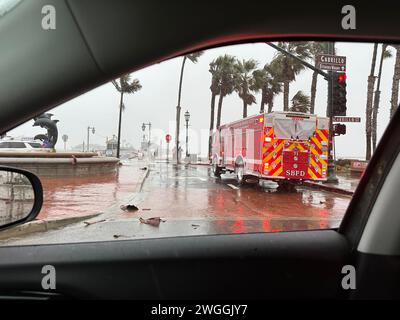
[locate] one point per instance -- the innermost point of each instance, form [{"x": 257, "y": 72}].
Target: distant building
[{"x": 111, "y": 147}]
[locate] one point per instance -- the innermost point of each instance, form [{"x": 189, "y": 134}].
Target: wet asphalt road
[{"x": 193, "y": 202}]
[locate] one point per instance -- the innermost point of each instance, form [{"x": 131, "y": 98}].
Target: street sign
[
  {"x": 346, "y": 119},
  {"x": 331, "y": 62},
  {"x": 168, "y": 138}
]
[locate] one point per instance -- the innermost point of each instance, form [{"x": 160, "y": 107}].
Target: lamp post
[
  {"x": 144, "y": 136},
  {"x": 187, "y": 117},
  {"x": 88, "y": 130}
]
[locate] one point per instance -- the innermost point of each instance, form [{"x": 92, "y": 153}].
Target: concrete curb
[
  {"x": 110, "y": 211},
  {"x": 42, "y": 226},
  {"x": 51, "y": 224},
  {"x": 318, "y": 186}
]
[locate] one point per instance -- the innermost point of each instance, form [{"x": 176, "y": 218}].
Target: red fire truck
[{"x": 280, "y": 146}]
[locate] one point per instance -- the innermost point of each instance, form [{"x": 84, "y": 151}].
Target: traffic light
[
  {"x": 339, "y": 94},
  {"x": 339, "y": 129}
]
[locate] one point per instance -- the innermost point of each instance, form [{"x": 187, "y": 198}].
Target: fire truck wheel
[
  {"x": 286, "y": 187},
  {"x": 239, "y": 171},
  {"x": 216, "y": 169}
]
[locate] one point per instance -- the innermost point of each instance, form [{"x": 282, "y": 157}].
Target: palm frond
[
  {"x": 387, "y": 53},
  {"x": 116, "y": 85},
  {"x": 300, "y": 102},
  {"x": 194, "y": 57}
]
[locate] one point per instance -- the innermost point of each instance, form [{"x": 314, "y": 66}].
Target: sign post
[
  {"x": 331, "y": 161},
  {"x": 168, "y": 140}
]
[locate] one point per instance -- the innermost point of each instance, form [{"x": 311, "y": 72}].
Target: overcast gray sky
[{"x": 157, "y": 100}]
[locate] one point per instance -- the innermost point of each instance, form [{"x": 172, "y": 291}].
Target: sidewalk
[
  {"x": 347, "y": 184},
  {"x": 66, "y": 203}
]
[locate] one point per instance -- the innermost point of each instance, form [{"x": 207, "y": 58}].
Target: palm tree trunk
[
  {"x": 368, "y": 113},
  {"x": 286, "y": 96},
  {"x": 178, "y": 111},
  {"x": 270, "y": 106},
  {"x": 395, "y": 84},
  {"x": 119, "y": 123},
  {"x": 221, "y": 98},
  {"x": 244, "y": 109},
  {"x": 262, "y": 106},
  {"x": 313, "y": 91},
  {"x": 376, "y": 100},
  {"x": 211, "y": 124}
]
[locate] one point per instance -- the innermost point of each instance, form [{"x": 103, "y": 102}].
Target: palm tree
[
  {"x": 395, "y": 84},
  {"x": 385, "y": 53},
  {"x": 265, "y": 80},
  {"x": 193, "y": 57},
  {"x": 301, "y": 102},
  {"x": 128, "y": 86},
  {"x": 289, "y": 68},
  {"x": 260, "y": 82},
  {"x": 244, "y": 82},
  {"x": 226, "y": 80},
  {"x": 214, "y": 92},
  {"x": 368, "y": 112},
  {"x": 316, "y": 48}
]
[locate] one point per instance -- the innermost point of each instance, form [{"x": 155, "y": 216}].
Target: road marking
[{"x": 233, "y": 187}]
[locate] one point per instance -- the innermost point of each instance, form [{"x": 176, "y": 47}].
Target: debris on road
[
  {"x": 143, "y": 168},
  {"x": 155, "y": 222},
  {"x": 129, "y": 207},
  {"x": 116, "y": 236},
  {"x": 87, "y": 224},
  {"x": 146, "y": 209},
  {"x": 195, "y": 226}
]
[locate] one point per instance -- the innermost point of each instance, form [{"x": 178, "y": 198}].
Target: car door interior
[
  {"x": 297, "y": 264},
  {"x": 277, "y": 265}
]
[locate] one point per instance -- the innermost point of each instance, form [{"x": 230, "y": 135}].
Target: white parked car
[{"x": 21, "y": 146}]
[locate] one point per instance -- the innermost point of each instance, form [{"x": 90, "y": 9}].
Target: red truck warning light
[{"x": 277, "y": 145}]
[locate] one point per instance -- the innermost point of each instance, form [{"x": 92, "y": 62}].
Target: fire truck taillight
[{"x": 267, "y": 139}]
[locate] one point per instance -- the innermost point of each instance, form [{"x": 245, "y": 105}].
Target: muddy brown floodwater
[{"x": 78, "y": 196}]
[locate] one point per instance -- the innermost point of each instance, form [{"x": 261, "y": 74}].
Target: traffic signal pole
[
  {"x": 331, "y": 161},
  {"x": 308, "y": 65},
  {"x": 328, "y": 76}
]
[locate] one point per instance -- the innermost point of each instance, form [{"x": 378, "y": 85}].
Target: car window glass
[
  {"x": 305, "y": 128},
  {"x": 17, "y": 145},
  {"x": 285, "y": 128},
  {"x": 35, "y": 145},
  {"x": 242, "y": 143}
]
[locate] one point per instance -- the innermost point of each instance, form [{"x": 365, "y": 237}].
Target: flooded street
[
  {"x": 80, "y": 196},
  {"x": 188, "y": 200},
  {"x": 190, "y": 193}
]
